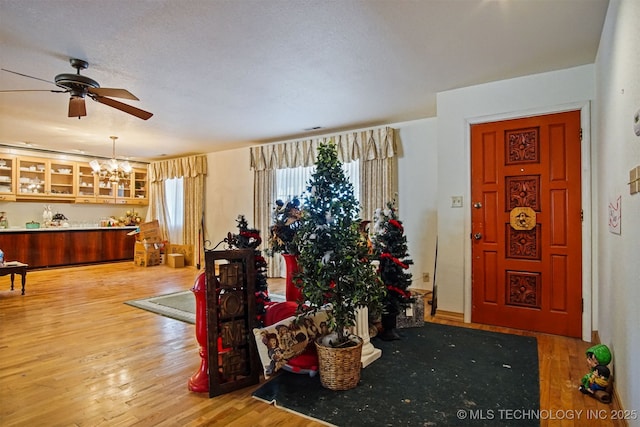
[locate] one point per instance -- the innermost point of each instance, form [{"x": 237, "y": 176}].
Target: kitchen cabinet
[
  {"x": 40, "y": 178},
  {"x": 86, "y": 184},
  {"x": 140, "y": 187},
  {"x": 7, "y": 178},
  {"x": 127, "y": 191},
  {"x": 53, "y": 179}
]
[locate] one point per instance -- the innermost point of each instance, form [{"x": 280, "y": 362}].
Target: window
[
  {"x": 174, "y": 202},
  {"x": 292, "y": 182}
]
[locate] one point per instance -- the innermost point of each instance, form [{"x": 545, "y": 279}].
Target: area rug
[
  {"x": 436, "y": 375},
  {"x": 178, "y": 305}
]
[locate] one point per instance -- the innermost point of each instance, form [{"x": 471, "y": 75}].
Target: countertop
[{"x": 74, "y": 228}]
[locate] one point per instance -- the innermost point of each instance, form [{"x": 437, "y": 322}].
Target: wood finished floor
[{"x": 73, "y": 354}]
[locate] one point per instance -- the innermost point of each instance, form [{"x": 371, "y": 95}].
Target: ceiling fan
[{"x": 79, "y": 87}]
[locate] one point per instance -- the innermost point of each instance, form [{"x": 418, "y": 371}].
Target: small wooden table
[{"x": 13, "y": 268}]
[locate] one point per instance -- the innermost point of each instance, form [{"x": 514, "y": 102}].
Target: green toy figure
[{"x": 597, "y": 383}]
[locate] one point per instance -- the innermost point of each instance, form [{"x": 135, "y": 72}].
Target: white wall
[
  {"x": 228, "y": 193},
  {"x": 618, "y": 150},
  {"x": 20, "y": 213},
  {"x": 418, "y": 188},
  {"x": 536, "y": 94}
]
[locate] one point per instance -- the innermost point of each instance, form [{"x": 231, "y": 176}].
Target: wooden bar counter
[{"x": 61, "y": 246}]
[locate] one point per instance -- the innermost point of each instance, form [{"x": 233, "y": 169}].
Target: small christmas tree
[
  {"x": 333, "y": 259},
  {"x": 286, "y": 220},
  {"x": 249, "y": 238},
  {"x": 390, "y": 245}
]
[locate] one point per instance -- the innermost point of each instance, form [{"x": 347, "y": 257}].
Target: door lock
[{"x": 477, "y": 236}]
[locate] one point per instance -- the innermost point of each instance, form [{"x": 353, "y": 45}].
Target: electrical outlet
[
  {"x": 426, "y": 277},
  {"x": 456, "y": 201}
]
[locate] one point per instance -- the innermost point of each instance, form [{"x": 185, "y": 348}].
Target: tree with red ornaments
[
  {"x": 390, "y": 246},
  {"x": 249, "y": 238}
]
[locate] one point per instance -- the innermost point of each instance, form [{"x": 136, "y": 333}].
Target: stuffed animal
[{"x": 598, "y": 383}]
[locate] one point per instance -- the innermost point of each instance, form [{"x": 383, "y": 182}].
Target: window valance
[
  {"x": 368, "y": 144},
  {"x": 188, "y": 167}
]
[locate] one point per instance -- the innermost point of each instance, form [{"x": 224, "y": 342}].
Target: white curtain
[{"x": 174, "y": 202}]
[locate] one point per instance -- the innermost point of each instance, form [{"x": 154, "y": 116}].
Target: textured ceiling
[{"x": 221, "y": 74}]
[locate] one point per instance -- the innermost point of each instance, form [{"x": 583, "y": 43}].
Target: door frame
[{"x": 588, "y": 233}]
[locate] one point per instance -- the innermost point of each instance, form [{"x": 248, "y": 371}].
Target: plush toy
[{"x": 598, "y": 382}]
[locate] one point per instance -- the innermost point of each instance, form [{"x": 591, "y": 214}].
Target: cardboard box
[
  {"x": 175, "y": 260},
  {"x": 148, "y": 232},
  {"x": 185, "y": 250},
  {"x": 146, "y": 255}
]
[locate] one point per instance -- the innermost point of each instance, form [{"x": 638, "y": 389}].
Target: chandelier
[{"x": 111, "y": 171}]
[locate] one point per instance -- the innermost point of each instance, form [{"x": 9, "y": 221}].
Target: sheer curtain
[
  {"x": 174, "y": 202},
  {"x": 192, "y": 170},
  {"x": 374, "y": 148},
  {"x": 292, "y": 182}
]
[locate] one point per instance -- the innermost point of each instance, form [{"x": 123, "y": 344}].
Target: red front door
[{"x": 526, "y": 224}]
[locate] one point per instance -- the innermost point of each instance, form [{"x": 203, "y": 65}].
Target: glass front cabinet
[
  {"x": 24, "y": 178},
  {"x": 39, "y": 178},
  {"x": 7, "y": 179}
]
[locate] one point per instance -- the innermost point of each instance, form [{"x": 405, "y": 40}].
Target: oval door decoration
[{"x": 522, "y": 218}]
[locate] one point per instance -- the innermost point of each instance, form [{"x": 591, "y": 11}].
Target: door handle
[
  {"x": 477, "y": 205},
  {"x": 477, "y": 236}
]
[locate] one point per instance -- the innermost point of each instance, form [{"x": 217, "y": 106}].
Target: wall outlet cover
[{"x": 456, "y": 201}]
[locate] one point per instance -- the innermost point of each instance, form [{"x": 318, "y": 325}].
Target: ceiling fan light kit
[{"x": 79, "y": 87}]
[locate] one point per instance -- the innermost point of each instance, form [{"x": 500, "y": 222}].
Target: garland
[
  {"x": 396, "y": 224},
  {"x": 405, "y": 294},
  {"x": 394, "y": 259},
  {"x": 252, "y": 235}
]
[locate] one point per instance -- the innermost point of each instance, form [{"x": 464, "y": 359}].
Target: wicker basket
[{"x": 340, "y": 367}]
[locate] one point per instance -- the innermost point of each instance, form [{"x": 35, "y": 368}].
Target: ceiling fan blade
[
  {"x": 33, "y": 90},
  {"x": 77, "y": 107},
  {"x": 26, "y": 75},
  {"x": 112, "y": 92},
  {"x": 144, "y": 115}
]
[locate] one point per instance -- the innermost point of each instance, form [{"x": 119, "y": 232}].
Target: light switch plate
[{"x": 634, "y": 180}]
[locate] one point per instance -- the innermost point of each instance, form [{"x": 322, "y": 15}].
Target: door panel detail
[
  {"x": 523, "y": 191},
  {"x": 523, "y": 289},
  {"x": 559, "y": 237},
  {"x": 559, "y": 284},
  {"x": 557, "y": 154},
  {"x": 523, "y": 244},
  {"x": 522, "y": 146},
  {"x": 491, "y": 268}
]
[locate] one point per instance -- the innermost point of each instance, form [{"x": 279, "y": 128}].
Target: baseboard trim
[{"x": 449, "y": 315}]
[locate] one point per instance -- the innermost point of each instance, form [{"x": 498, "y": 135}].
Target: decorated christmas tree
[
  {"x": 390, "y": 245},
  {"x": 286, "y": 220},
  {"x": 249, "y": 238},
  {"x": 333, "y": 258}
]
